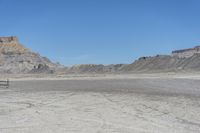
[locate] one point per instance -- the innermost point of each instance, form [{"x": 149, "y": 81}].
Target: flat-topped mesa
[
  {"x": 12, "y": 39},
  {"x": 11, "y": 45},
  {"x": 186, "y": 53}
]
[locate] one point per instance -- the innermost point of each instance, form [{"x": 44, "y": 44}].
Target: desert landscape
[
  {"x": 99, "y": 66},
  {"x": 153, "y": 94},
  {"x": 124, "y": 103}
]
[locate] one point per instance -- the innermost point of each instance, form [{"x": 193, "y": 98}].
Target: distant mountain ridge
[
  {"x": 179, "y": 61},
  {"x": 15, "y": 59}
]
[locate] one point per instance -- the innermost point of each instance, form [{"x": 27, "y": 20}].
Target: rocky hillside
[
  {"x": 93, "y": 68},
  {"x": 179, "y": 61},
  {"x": 15, "y": 58}
]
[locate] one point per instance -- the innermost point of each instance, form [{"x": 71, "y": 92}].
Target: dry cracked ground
[{"x": 144, "y": 105}]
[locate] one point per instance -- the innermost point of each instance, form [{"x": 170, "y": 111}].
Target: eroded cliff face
[
  {"x": 15, "y": 58},
  {"x": 186, "y": 53},
  {"x": 11, "y": 45}
]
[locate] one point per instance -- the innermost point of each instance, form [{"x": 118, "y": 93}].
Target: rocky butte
[{"x": 15, "y": 58}]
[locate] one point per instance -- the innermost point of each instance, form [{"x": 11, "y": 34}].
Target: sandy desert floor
[{"x": 105, "y": 105}]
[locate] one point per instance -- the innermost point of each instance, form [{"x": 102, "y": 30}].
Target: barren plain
[{"x": 107, "y": 104}]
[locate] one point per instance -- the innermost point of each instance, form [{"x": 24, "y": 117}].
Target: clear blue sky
[{"x": 101, "y": 31}]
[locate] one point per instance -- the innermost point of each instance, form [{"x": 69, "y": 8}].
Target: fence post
[{"x": 7, "y": 83}]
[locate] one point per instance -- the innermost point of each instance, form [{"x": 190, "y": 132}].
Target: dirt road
[{"x": 101, "y": 106}]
